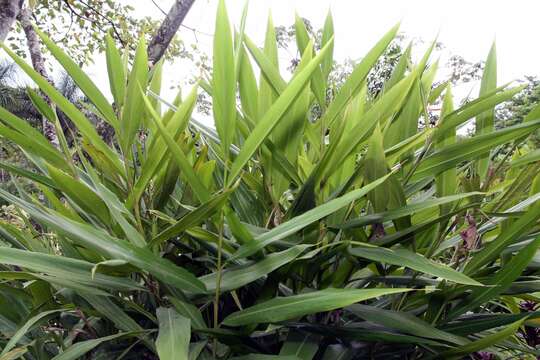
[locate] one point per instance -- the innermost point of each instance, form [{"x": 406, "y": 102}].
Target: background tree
[
  {"x": 13, "y": 96},
  {"x": 9, "y": 9},
  {"x": 512, "y": 112},
  {"x": 163, "y": 36},
  {"x": 15, "y": 99},
  {"x": 79, "y": 26},
  {"x": 83, "y": 34}
]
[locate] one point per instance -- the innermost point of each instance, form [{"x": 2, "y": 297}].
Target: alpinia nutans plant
[{"x": 356, "y": 235}]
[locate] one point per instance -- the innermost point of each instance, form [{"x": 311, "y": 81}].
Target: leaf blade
[{"x": 284, "y": 308}]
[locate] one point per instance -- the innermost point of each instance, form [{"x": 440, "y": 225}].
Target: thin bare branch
[
  {"x": 9, "y": 10},
  {"x": 163, "y": 36}
]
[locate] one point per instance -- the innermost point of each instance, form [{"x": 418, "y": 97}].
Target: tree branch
[
  {"x": 163, "y": 36},
  {"x": 38, "y": 62},
  {"x": 9, "y": 10},
  {"x": 159, "y": 7},
  {"x": 195, "y": 31},
  {"x": 107, "y": 19}
]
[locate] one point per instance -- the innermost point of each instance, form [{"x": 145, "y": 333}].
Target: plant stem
[
  {"x": 218, "y": 281},
  {"x": 219, "y": 271}
]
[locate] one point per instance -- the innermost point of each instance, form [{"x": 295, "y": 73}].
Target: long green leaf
[
  {"x": 284, "y": 308},
  {"x": 483, "y": 343},
  {"x": 265, "y": 357},
  {"x": 274, "y": 115},
  {"x": 327, "y": 35},
  {"x": 247, "y": 87},
  {"x": 507, "y": 237},
  {"x": 14, "y": 340},
  {"x": 269, "y": 70},
  {"x": 224, "y": 80},
  {"x": 237, "y": 277},
  {"x": 24, "y": 127},
  {"x": 526, "y": 159},
  {"x": 404, "y": 322},
  {"x": 78, "y": 350},
  {"x": 106, "y": 307},
  {"x": 177, "y": 123},
  {"x": 189, "y": 311},
  {"x": 114, "y": 248},
  {"x": 15, "y": 354},
  {"x": 470, "y": 149},
  {"x": 376, "y": 167},
  {"x": 301, "y": 221},
  {"x": 304, "y": 346},
  {"x": 475, "y": 107},
  {"x": 133, "y": 111},
  {"x": 382, "y": 109},
  {"x": 484, "y": 121},
  {"x": 26, "y": 143},
  {"x": 445, "y": 182},
  {"x": 64, "y": 267},
  {"x": 409, "y": 209},
  {"x": 500, "y": 282},
  {"x": 174, "y": 334},
  {"x": 82, "y": 80},
  {"x": 318, "y": 85},
  {"x": 115, "y": 69},
  {"x": 178, "y": 155},
  {"x": 74, "y": 114},
  {"x": 193, "y": 218},
  {"x": 28, "y": 174},
  {"x": 407, "y": 258},
  {"x": 353, "y": 83},
  {"x": 82, "y": 195}
]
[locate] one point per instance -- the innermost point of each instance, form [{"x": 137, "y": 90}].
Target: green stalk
[{"x": 219, "y": 271}]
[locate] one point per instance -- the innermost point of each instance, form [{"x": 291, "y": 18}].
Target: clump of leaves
[{"x": 358, "y": 235}]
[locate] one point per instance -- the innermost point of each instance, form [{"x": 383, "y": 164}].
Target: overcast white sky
[{"x": 466, "y": 27}]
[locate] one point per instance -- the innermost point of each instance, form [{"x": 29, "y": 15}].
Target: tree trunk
[
  {"x": 9, "y": 9},
  {"x": 168, "y": 28},
  {"x": 38, "y": 62}
]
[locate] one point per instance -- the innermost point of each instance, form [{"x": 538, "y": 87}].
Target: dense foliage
[
  {"x": 356, "y": 234},
  {"x": 79, "y": 26}
]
